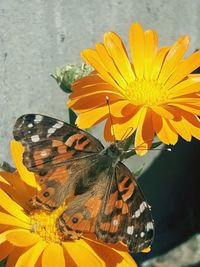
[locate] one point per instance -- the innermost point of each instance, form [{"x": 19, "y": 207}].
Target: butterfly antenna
[{"x": 109, "y": 111}]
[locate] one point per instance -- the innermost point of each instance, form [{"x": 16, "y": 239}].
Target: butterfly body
[{"x": 100, "y": 192}]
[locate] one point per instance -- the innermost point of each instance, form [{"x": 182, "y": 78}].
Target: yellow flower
[
  {"x": 153, "y": 95},
  {"x": 29, "y": 237}
]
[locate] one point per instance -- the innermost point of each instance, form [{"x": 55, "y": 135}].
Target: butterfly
[{"x": 71, "y": 166}]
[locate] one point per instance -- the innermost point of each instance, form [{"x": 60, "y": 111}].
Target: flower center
[
  {"x": 149, "y": 93},
  {"x": 44, "y": 224}
]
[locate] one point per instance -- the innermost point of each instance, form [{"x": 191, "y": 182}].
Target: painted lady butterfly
[{"x": 103, "y": 196}]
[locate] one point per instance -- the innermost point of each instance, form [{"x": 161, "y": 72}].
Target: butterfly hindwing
[
  {"x": 56, "y": 152},
  {"x": 125, "y": 216}
]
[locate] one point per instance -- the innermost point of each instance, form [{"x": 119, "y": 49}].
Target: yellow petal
[
  {"x": 22, "y": 238},
  {"x": 144, "y": 134},
  {"x": 151, "y": 43},
  {"x": 187, "y": 86},
  {"x": 109, "y": 63},
  {"x": 91, "y": 117},
  {"x": 83, "y": 255},
  {"x": 5, "y": 249},
  {"x": 163, "y": 112},
  {"x": 166, "y": 133},
  {"x": 17, "y": 153},
  {"x": 181, "y": 128},
  {"x": 137, "y": 47},
  {"x": 7, "y": 219},
  {"x": 91, "y": 57},
  {"x": 193, "y": 124},
  {"x": 185, "y": 68},
  {"x": 12, "y": 207},
  {"x": 30, "y": 257},
  {"x": 190, "y": 108},
  {"x": 53, "y": 256},
  {"x": 158, "y": 62},
  {"x": 117, "y": 51},
  {"x": 173, "y": 57}
]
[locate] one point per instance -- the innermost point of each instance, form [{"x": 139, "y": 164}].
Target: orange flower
[
  {"x": 155, "y": 94},
  {"x": 29, "y": 237}
]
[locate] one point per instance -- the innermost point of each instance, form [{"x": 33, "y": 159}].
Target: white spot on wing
[
  {"x": 143, "y": 206},
  {"x": 58, "y": 125},
  {"x": 38, "y": 118},
  {"x": 142, "y": 234},
  {"x": 43, "y": 153},
  {"x": 137, "y": 213},
  {"x": 149, "y": 226},
  {"x": 30, "y": 125},
  {"x": 35, "y": 138},
  {"x": 130, "y": 230}
]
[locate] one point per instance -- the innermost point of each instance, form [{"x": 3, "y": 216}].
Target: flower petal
[
  {"x": 109, "y": 63},
  {"x": 163, "y": 112},
  {"x": 53, "y": 255},
  {"x": 12, "y": 207},
  {"x": 117, "y": 51},
  {"x": 185, "y": 68},
  {"x": 187, "y": 86},
  {"x": 91, "y": 117},
  {"x": 17, "y": 152},
  {"x": 22, "y": 238},
  {"x": 151, "y": 44},
  {"x": 144, "y": 134},
  {"x": 190, "y": 108},
  {"x": 30, "y": 257},
  {"x": 7, "y": 219},
  {"x": 83, "y": 255},
  {"x": 5, "y": 249},
  {"x": 166, "y": 133},
  {"x": 91, "y": 57},
  {"x": 158, "y": 62},
  {"x": 173, "y": 57},
  {"x": 137, "y": 47},
  {"x": 193, "y": 124},
  {"x": 13, "y": 256},
  {"x": 181, "y": 129}
]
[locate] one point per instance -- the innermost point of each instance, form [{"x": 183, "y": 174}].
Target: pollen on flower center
[
  {"x": 142, "y": 92},
  {"x": 44, "y": 224}
]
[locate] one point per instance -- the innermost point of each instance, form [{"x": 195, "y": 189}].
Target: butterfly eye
[
  {"x": 74, "y": 220},
  {"x": 43, "y": 172},
  {"x": 46, "y": 194}
]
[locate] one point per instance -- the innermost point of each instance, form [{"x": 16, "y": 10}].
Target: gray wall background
[{"x": 39, "y": 35}]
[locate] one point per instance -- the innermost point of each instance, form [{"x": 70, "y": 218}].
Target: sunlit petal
[{"x": 53, "y": 255}]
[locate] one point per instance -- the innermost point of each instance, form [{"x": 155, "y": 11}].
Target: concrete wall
[{"x": 39, "y": 35}]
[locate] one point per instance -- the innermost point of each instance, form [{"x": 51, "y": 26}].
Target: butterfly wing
[
  {"x": 125, "y": 215},
  {"x": 56, "y": 152}
]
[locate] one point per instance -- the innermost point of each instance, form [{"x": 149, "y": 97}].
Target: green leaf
[{"x": 72, "y": 117}]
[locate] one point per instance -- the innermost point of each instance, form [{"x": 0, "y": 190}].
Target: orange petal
[
  {"x": 17, "y": 152},
  {"x": 111, "y": 256},
  {"x": 91, "y": 117},
  {"x": 174, "y": 56},
  {"x": 82, "y": 254},
  {"x": 117, "y": 51},
  {"x": 181, "y": 128},
  {"x": 91, "y": 79},
  {"x": 145, "y": 133},
  {"x": 190, "y": 108},
  {"x": 91, "y": 57},
  {"x": 7, "y": 219},
  {"x": 13, "y": 256},
  {"x": 131, "y": 122},
  {"x": 5, "y": 249},
  {"x": 137, "y": 47},
  {"x": 163, "y": 112},
  {"x": 22, "y": 238},
  {"x": 12, "y": 207},
  {"x": 151, "y": 44},
  {"x": 166, "y": 133},
  {"x": 30, "y": 257},
  {"x": 193, "y": 124},
  {"x": 93, "y": 100},
  {"x": 110, "y": 65},
  {"x": 92, "y": 88},
  {"x": 188, "y": 86},
  {"x": 185, "y": 68},
  {"x": 53, "y": 255},
  {"x": 158, "y": 62}
]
